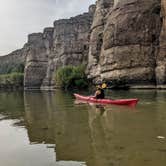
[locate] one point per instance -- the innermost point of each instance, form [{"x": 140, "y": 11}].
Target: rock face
[
  {"x": 96, "y": 38},
  {"x": 122, "y": 41},
  {"x": 70, "y": 44},
  {"x": 67, "y": 43},
  {"x": 161, "y": 57},
  {"x": 37, "y": 51},
  {"x": 129, "y": 44},
  {"x": 11, "y": 60}
]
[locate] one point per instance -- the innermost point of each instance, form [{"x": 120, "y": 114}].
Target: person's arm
[{"x": 97, "y": 93}]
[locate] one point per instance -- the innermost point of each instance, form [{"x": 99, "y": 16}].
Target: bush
[
  {"x": 19, "y": 68},
  {"x": 11, "y": 67},
  {"x": 70, "y": 77},
  {"x": 11, "y": 80},
  {"x": 11, "y": 75}
]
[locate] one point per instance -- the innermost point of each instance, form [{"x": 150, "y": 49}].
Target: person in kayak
[{"x": 99, "y": 94}]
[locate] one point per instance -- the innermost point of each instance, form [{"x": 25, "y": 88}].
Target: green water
[{"x": 52, "y": 129}]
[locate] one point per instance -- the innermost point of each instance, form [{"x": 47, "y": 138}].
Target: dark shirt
[{"x": 101, "y": 95}]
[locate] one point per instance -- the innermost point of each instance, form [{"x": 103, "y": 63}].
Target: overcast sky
[{"x": 18, "y": 18}]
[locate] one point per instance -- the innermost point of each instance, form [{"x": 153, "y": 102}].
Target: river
[{"x": 52, "y": 129}]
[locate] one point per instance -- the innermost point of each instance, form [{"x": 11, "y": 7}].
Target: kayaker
[{"x": 99, "y": 94}]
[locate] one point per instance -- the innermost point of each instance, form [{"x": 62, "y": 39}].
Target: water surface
[{"x": 52, "y": 129}]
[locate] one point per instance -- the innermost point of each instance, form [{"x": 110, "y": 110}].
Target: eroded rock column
[
  {"x": 37, "y": 50},
  {"x": 96, "y": 38},
  {"x": 161, "y": 58}
]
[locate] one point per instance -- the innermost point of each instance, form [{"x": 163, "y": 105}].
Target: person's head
[
  {"x": 99, "y": 84},
  {"x": 104, "y": 86},
  {"x": 98, "y": 87}
]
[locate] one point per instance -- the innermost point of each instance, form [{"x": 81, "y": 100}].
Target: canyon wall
[
  {"x": 129, "y": 44},
  {"x": 96, "y": 39},
  {"x": 70, "y": 44},
  {"x": 120, "y": 41},
  {"x": 67, "y": 43},
  {"x": 161, "y": 57},
  {"x": 37, "y": 52},
  {"x": 11, "y": 61}
]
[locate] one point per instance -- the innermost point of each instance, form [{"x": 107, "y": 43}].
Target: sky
[{"x": 18, "y": 18}]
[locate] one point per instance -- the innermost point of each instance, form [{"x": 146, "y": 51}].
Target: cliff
[
  {"x": 161, "y": 57},
  {"x": 10, "y": 61},
  {"x": 129, "y": 43},
  {"x": 70, "y": 44},
  {"x": 37, "y": 52},
  {"x": 123, "y": 42},
  {"x": 96, "y": 39},
  {"x": 67, "y": 43}
]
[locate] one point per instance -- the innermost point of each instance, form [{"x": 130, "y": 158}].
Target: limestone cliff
[
  {"x": 96, "y": 39},
  {"x": 129, "y": 43},
  {"x": 10, "y": 61},
  {"x": 122, "y": 41},
  {"x": 67, "y": 43},
  {"x": 161, "y": 57},
  {"x": 37, "y": 51},
  {"x": 70, "y": 44}
]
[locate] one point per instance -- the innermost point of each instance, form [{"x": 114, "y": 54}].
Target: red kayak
[{"x": 129, "y": 102}]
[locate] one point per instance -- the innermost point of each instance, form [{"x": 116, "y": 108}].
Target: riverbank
[{"x": 12, "y": 81}]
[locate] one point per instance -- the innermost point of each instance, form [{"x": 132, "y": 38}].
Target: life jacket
[{"x": 101, "y": 95}]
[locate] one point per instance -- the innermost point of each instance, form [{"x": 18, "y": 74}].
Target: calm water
[{"x": 52, "y": 129}]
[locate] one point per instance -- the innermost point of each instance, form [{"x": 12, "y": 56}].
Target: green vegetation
[
  {"x": 10, "y": 68},
  {"x": 70, "y": 77},
  {"x": 11, "y": 75},
  {"x": 12, "y": 80}
]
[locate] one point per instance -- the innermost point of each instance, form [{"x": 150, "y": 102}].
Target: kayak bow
[{"x": 129, "y": 102}]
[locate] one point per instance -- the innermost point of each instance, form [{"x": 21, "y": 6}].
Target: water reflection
[
  {"x": 52, "y": 121},
  {"x": 89, "y": 134}
]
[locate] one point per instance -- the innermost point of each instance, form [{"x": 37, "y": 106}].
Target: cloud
[{"x": 21, "y": 17}]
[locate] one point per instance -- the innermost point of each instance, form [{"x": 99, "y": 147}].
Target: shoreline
[{"x": 54, "y": 88}]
